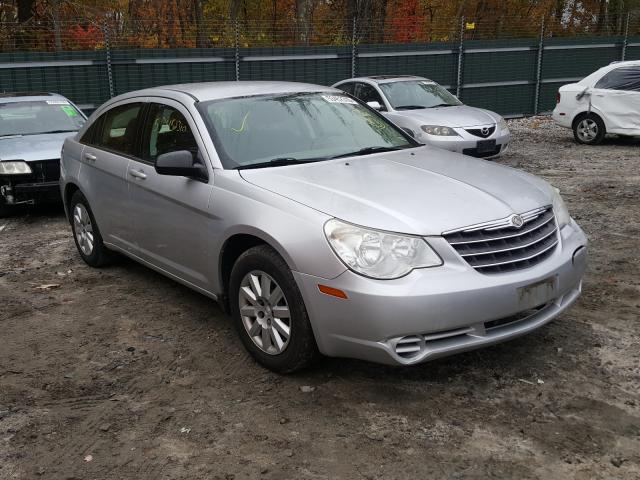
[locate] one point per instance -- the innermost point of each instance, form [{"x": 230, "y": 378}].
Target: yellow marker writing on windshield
[{"x": 244, "y": 120}]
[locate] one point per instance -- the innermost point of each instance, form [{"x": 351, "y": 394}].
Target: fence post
[
  {"x": 536, "y": 103},
  {"x": 107, "y": 49},
  {"x": 626, "y": 38},
  {"x": 460, "y": 58},
  {"x": 354, "y": 54},
  {"x": 237, "y": 48}
]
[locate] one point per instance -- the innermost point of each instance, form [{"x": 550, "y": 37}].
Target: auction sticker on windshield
[{"x": 338, "y": 99}]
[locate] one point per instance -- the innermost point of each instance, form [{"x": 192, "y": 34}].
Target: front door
[{"x": 170, "y": 212}]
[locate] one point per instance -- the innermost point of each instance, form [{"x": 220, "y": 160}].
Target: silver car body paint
[
  {"x": 179, "y": 227},
  {"x": 460, "y": 118}
]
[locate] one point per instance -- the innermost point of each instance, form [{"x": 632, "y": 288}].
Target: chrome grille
[{"x": 498, "y": 246}]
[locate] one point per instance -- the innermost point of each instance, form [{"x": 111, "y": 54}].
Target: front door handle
[
  {"x": 138, "y": 174},
  {"x": 90, "y": 156}
]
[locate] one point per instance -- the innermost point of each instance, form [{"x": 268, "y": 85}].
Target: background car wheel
[
  {"x": 86, "y": 233},
  {"x": 269, "y": 312},
  {"x": 589, "y": 129},
  {"x": 5, "y": 210}
]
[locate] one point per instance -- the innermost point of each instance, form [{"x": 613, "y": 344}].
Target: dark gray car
[{"x": 33, "y": 127}]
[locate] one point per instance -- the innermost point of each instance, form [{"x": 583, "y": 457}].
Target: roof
[
  {"x": 217, "y": 90},
  {"x": 388, "y": 78},
  {"x": 12, "y": 97}
]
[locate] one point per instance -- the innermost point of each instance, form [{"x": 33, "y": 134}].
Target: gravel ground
[{"x": 121, "y": 373}]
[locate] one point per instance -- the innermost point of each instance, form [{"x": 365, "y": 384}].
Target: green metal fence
[{"x": 515, "y": 76}]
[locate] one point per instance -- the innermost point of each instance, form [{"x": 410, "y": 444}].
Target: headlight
[
  {"x": 18, "y": 167},
  {"x": 438, "y": 130},
  {"x": 560, "y": 209},
  {"x": 378, "y": 254},
  {"x": 502, "y": 124}
]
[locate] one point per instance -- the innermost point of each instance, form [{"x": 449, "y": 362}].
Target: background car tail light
[{"x": 558, "y": 97}]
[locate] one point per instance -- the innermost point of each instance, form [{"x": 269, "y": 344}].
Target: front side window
[
  {"x": 348, "y": 87},
  {"x": 417, "y": 94},
  {"x": 623, "y": 78},
  {"x": 167, "y": 131},
  {"x": 38, "y": 117},
  {"x": 367, "y": 93},
  {"x": 119, "y": 129},
  {"x": 296, "y": 127}
]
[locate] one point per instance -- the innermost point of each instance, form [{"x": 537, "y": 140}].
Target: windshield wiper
[
  {"x": 276, "y": 162},
  {"x": 411, "y": 107},
  {"x": 442, "y": 105},
  {"x": 367, "y": 151},
  {"x": 51, "y": 131}
]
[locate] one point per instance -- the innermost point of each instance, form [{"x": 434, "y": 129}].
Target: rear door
[
  {"x": 170, "y": 212},
  {"x": 617, "y": 97},
  {"x": 110, "y": 143}
]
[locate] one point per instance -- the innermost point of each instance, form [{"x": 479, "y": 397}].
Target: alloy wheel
[
  {"x": 265, "y": 312},
  {"x": 587, "y": 130},
  {"x": 83, "y": 229}
]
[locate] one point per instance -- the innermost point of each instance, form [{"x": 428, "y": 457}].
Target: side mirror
[
  {"x": 181, "y": 163},
  {"x": 375, "y": 105}
]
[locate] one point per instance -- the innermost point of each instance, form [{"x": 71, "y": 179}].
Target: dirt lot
[{"x": 121, "y": 373}]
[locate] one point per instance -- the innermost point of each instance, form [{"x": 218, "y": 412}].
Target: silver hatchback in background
[
  {"x": 431, "y": 114},
  {"x": 320, "y": 225}
]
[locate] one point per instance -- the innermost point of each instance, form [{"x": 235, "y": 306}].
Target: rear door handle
[
  {"x": 90, "y": 156},
  {"x": 138, "y": 174}
]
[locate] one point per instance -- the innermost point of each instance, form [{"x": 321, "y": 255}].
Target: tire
[
  {"x": 589, "y": 129},
  {"x": 261, "y": 313},
  {"x": 86, "y": 233},
  {"x": 5, "y": 210}
]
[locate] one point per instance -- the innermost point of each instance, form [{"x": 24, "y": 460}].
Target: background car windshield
[
  {"x": 31, "y": 118},
  {"x": 417, "y": 94},
  {"x": 307, "y": 126}
]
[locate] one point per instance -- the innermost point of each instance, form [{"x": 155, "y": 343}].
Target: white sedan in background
[
  {"x": 607, "y": 101},
  {"x": 431, "y": 114}
]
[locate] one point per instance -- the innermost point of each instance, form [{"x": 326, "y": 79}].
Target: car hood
[
  {"x": 32, "y": 147},
  {"x": 455, "y": 116},
  {"x": 421, "y": 191}
]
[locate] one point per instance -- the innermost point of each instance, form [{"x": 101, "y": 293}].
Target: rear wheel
[
  {"x": 269, "y": 312},
  {"x": 86, "y": 233},
  {"x": 589, "y": 129}
]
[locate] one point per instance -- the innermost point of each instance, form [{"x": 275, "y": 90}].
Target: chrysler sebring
[{"x": 318, "y": 224}]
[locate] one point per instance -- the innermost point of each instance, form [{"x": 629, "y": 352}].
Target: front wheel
[
  {"x": 269, "y": 312},
  {"x": 589, "y": 129}
]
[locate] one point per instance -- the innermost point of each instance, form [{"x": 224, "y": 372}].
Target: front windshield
[
  {"x": 417, "y": 94},
  {"x": 41, "y": 116},
  {"x": 297, "y": 127}
]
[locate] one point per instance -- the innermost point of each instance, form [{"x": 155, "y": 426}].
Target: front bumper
[
  {"x": 442, "y": 310},
  {"x": 467, "y": 144},
  {"x": 40, "y": 186}
]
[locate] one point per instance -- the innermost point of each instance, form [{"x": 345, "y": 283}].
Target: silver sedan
[
  {"x": 431, "y": 114},
  {"x": 318, "y": 224}
]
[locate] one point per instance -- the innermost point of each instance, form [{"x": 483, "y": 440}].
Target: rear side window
[
  {"x": 166, "y": 131},
  {"x": 118, "y": 129},
  {"x": 623, "y": 78}
]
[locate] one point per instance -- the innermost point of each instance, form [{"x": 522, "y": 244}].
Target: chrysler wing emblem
[{"x": 516, "y": 220}]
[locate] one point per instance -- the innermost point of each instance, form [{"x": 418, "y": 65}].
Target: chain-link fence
[{"x": 513, "y": 65}]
